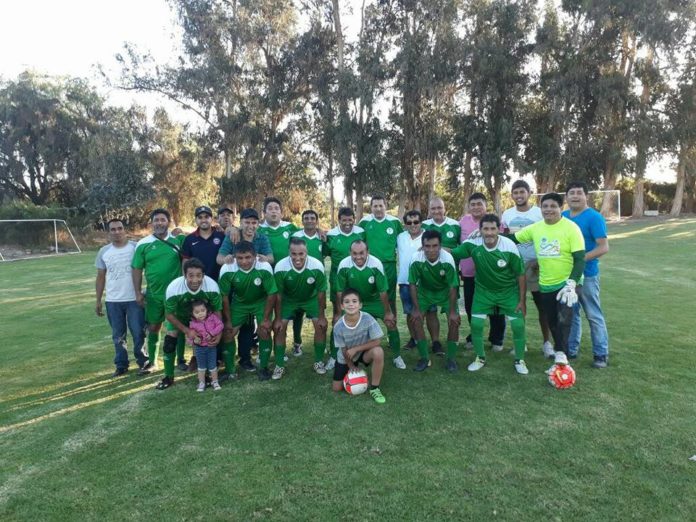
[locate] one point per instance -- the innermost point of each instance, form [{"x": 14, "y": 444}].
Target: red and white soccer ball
[
  {"x": 562, "y": 376},
  {"x": 356, "y": 382}
]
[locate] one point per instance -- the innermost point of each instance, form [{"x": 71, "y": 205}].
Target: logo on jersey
[
  {"x": 257, "y": 281},
  {"x": 286, "y": 234},
  {"x": 310, "y": 280},
  {"x": 390, "y": 231},
  {"x": 502, "y": 263},
  {"x": 442, "y": 273},
  {"x": 216, "y": 241},
  {"x": 549, "y": 248},
  {"x": 371, "y": 280},
  {"x": 450, "y": 234}
]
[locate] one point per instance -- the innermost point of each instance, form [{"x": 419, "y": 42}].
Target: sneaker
[
  {"x": 410, "y": 345},
  {"x": 297, "y": 350},
  {"x": 451, "y": 366},
  {"x": 319, "y": 368},
  {"x": 146, "y": 369},
  {"x": 521, "y": 368},
  {"x": 278, "y": 373},
  {"x": 264, "y": 374},
  {"x": 216, "y": 385},
  {"x": 477, "y": 364},
  {"x": 437, "y": 349},
  {"x": 377, "y": 396},
  {"x": 422, "y": 365},
  {"x": 120, "y": 372},
  {"x": 201, "y": 387},
  {"x": 548, "y": 350},
  {"x": 182, "y": 366},
  {"x": 330, "y": 364},
  {"x": 399, "y": 363},
  {"x": 600, "y": 361},
  {"x": 560, "y": 358},
  {"x": 247, "y": 366},
  {"x": 497, "y": 347},
  {"x": 165, "y": 383}
]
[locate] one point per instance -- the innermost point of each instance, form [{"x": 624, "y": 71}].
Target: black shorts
[{"x": 340, "y": 370}]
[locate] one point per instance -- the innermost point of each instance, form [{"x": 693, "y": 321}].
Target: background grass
[{"x": 77, "y": 444}]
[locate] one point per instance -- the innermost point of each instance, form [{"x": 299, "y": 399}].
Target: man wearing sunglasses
[{"x": 407, "y": 244}]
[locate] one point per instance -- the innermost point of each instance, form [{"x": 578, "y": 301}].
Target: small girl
[{"x": 206, "y": 330}]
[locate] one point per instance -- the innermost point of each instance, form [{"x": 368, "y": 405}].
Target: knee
[{"x": 378, "y": 354}]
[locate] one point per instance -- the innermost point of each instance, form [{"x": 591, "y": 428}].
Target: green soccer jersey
[
  {"x": 179, "y": 297},
  {"x": 314, "y": 244},
  {"x": 160, "y": 261},
  {"x": 248, "y": 288},
  {"x": 299, "y": 286},
  {"x": 450, "y": 230},
  {"x": 497, "y": 268},
  {"x": 337, "y": 247},
  {"x": 369, "y": 280},
  {"x": 434, "y": 280},
  {"x": 279, "y": 237},
  {"x": 381, "y": 236}
]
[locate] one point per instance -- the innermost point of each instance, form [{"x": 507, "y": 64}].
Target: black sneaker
[
  {"x": 600, "y": 361},
  {"x": 119, "y": 372},
  {"x": 247, "y": 366},
  {"x": 410, "y": 345},
  {"x": 182, "y": 366},
  {"x": 165, "y": 383},
  {"x": 422, "y": 365},
  {"x": 437, "y": 349},
  {"x": 264, "y": 374},
  {"x": 146, "y": 369},
  {"x": 451, "y": 366}
]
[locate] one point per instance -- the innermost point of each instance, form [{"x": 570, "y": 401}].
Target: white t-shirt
[
  {"x": 117, "y": 263},
  {"x": 406, "y": 247},
  {"x": 514, "y": 220}
]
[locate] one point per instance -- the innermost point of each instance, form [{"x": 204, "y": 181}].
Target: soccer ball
[
  {"x": 562, "y": 376},
  {"x": 355, "y": 382}
]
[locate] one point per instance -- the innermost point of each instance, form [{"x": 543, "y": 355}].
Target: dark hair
[
  {"x": 310, "y": 211},
  {"x": 477, "y": 195},
  {"x": 360, "y": 241},
  {"x": 199, "y": 302},
  {"x": 160, "y": 211},
  {"x": 245, "y": 247},
  {"x": 351, "y": 291},
  {"x": 577, "y": 184},
  {"x": 194, "y": 262},
  {"x": 345, "y": 211},
  {"x": 558, "y": 198},
  {"x": 271, "y": 199},
  {"x": 520, "y": 183},
  {"x": 297, "y": 241},
  {"x": 412, "y": 213},
  {"x": 431, "y": 234},
  {"x": 377, "y": 197},
  {"x": 490, "y": 218},
  {"x": 114, "y": 220}
]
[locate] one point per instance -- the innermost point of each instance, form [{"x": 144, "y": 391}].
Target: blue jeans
[
  {"x": 206, "y": 357},
  {"x": 132, "y": 316},
  {"x": 589, "y": 300}
]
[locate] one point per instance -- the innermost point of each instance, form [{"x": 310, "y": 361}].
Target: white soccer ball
[{"x": 356, "y": 382}]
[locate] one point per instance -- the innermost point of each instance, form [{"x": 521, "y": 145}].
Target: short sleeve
[
  {"x": 99, "y": 262},
  {"x": 374, "y": 330},
  {"x": 453, "y": 277},
  {"x": 225, "y": 283},
  {"x": 598, "y": 227},
  {"x": 227, "y": 247},
  {"x": 321, "y": 279},
  {"x": 186, "y": 250},
  {"x": 525, "y": 235},
  {"x": 215, "y": 301},
  {"x": 413, "y": 273},
  {"x": 381, "y": 281},
  {"x": 341, "y": 280},
  {"x": 462, "y": 251},
  {"x": 263, "y": 245},
  {"x": 269, "y": 284},
  {"x": 576, "y": 240}
]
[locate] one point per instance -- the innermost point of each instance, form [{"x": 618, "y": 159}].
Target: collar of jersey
[
  {"x": 281, "y": 224},
  {"x": 490, "y": 249},
  {"x": 292, "y": 265},
  {"x": 356, "y": 324}
]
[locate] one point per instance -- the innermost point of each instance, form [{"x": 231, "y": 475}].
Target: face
[
  {"x": 351, "y": 304},
  {"x": 477, "y": 208},
  {"x": 431, "y": 248},
  {"x": 298, "y": 256},
  {"x": 358, "y": 253},
  {"x": 378, "y": 208},
  {"x": 437, "y": 210},
  {"x": 245, "y": 260},
  {"x": 346, "y": 223},
  {"x": 310, "y": 222},
  {"x": 225, "y": 219},
  {"x": 413, "y": 225},
  {"x": 576, "y": 198},
  {"x": 117, "y": 232},
  {"x": 199, "y": 312},
  {"x": 551, "y": 211},
  {"x": 520, "y": 196},
  {"x": 489, "y": 231},
  {"x": 194, "y": 278},
  {"x": 204, "y": 221},
  {"x": 249, "y": 226},
  {"x": 272, "y": 213},
  {"x": 160, "y": 224}
]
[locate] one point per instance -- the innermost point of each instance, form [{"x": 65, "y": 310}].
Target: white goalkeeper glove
[{"x": 567, "y": 295}]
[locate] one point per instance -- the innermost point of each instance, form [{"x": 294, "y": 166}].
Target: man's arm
[
  {"x": 389, "y": 318},
  {"x": 601, "y": 248},
  {"x": 522, "y": 284},
  {"x": 578, "y": 265},
  {"x": 180, "y": 326},
  {"x": 416, "y": 314},
  {"x": 452, "y": 298},
  {"x": 137, "y": 276},
  {"x": 99, "y": 284},
  {"x": 321, "y": 321}
]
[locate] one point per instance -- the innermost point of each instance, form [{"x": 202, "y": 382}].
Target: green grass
[{"x": 76, "y": 444}]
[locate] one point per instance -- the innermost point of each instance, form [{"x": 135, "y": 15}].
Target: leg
[
  {"x": 375, "y": 358},
  {"x": 280, "y": 336},
  {"x": 297, "y": 331},
  {"x": 575, "y": 335},
  {"x": 549, "y": 304},
  {"x": 477, "y": 323},
  {"x": 468, "y": 299},
  {"x": 180, "y": 352},
  {"x": 116, "y": 314},
  {"x": 589, "y": 297},
  {"x": 543, "y": 321},
  {"x": 171, "y": 340},
  {"x": 202, "y": 363},
  {"x": 229, "y": 348},
  {"x": 433, "y": 323},
  {"x": 496, "y": 336},
  {"x": 136, "y": 325},
  {"x": 452, "y": 338},
  {"x": 405, "y": 295},
  {"x": 519, "y": 337},
  {"x": 244, "y": 340},
  {"x": 319, "y": 341},
  {"x": 154, "y": 316}
]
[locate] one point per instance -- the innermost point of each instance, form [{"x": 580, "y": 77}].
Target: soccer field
[{"x": 76, "y": 444}]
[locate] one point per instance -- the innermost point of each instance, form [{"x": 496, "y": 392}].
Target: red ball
[
  {"x": 356, "y": 382},
  {"x": 562, "y": 376}
]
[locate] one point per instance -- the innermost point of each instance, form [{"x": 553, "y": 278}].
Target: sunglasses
[{"x": 412, "y": 222}]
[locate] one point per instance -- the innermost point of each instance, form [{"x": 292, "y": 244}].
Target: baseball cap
[
  {"x": 248, "y": 213},
  {"x": 225, "y": 209},
  {"x": 203, "y": 210}
]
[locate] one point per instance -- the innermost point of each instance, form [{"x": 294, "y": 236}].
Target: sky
[{"x": 70, "y": 37}]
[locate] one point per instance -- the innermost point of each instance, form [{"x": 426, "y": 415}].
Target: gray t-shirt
[
  {"x": 345, "y": 336},
  {"x": 117, "y": 263}
]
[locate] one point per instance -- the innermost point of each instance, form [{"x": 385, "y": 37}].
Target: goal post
[
  {"x": 32, "y": 238},
  {"x": 607, "y": 202}
]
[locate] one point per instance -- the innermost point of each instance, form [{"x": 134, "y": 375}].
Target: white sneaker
[
  {"x": 278, "y": 373},
  {"x": 560, "y": 358},
  {"x": 399, "y": 363},
  {"x": 521, "y": 368},
  {"x": 297, "y": 350},
  {"x": 216, "y": 385},
  {"x": 497, "y": 347},
  {"x": 548, "y": 350},
  {"x": 201, "y": 387},
  {"x": 330, "y": 364},
  {"x": 258, "y": 361},
  {"x": 319, "y": 368},
  {"x": 476, "y": 365},
  {"x": 286, "y": 358}
]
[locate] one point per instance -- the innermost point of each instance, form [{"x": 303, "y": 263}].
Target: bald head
[{"x": 436, "y": 210}]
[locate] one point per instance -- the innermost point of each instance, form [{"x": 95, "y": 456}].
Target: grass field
[{"x": 76, "y": 444}]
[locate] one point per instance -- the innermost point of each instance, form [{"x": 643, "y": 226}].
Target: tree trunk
[
  {"x": 358, "y": 202},
  {"x": 468, "y": 187},
  {"x": 332, "y": 198},
  {"x": 431, "y": 179},
  {"x": 642, "y": 146},
  {"x": 681, "y": 180}
]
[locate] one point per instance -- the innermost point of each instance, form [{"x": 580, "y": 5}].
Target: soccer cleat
[
  {"x": 377, "y": 396},
  {"x": 147, "y": 368},
  {"x": 201, "y": 387},
  {"x": 600, "y": 361},
  {"x": 477, "y": 364},
  {"x": 330, "y": 364},
  {"x": 263, "y": 374},
  {"x": 422, "y": 365},
  {"x": 319, "y": 368},
  {"x": 497, "y": 347},
  {"x": 216, "y": 385},
  {"x": 278, "y": 373},
  {"x": 182, "y": 366},
  {"x": 120, "y": 372},
  {"x": 247, "y": 366},
  {"x": 521, "y": 368},
  {"x": 297, "y": 349},
  {"x": 452, "y": 366},
  {"x": 410, "y": 345},
  {"x": 560, "y": 358},
  {"x": 548, "y": 350},
  {"x": 437, "y": 349},
  {"x": 399, "y": 363},
  {"x": 165, "y": 383}
]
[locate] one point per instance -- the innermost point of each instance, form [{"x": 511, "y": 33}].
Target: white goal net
[
  {"x": 30, "y": 238},
  {"x": 607, "y": 202}
]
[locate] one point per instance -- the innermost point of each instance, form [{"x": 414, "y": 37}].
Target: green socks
[
  {"x": 451, "y": 349},
  {"x": 152, "y": 345},
  {"x": 394, "y": 342},
  {"x": 229, "y": 349},
  {"x": 264, "y": 352},
  {"x": 477, "y": 324},
  {"x": 519, "y": 337},
  {"x": 180, "y": 348},
  {"x": 319, "y": 349},
  {"x": 332, "y": 347},
  {"x": 280, "y": 355},
  {"x": 422, "y": 348}
]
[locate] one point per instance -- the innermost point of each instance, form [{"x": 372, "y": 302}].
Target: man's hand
[
  {"x": 215, "y": 340},
  {"x": 322, "y": 323},
  {"x": 234, "y": 234},
  {"x": 98, "y": 309},
  {"x": 322, "y": 234},
  {"x": 390, "y": 320},
  {"x": 193, "y": 335},
  {"x": 416, "y": 315},
  {"x": 140, "y": 299},
  {"x": 522, "y": 308},
  {"x": 265, "y": 326},
  {"x": 262, "y": 258},
  {"x": 568, "y": 296},
  {"x": 228, "y": 259}
]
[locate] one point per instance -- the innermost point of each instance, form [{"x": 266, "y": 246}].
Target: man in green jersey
[
  {"x": 159, "y": 257},
  {"x": 194, "y": 285},
  {"x": 301, "y": 286},
  {"x": 500, "y": 287},
  {"x": 433, "y": 281},
  {"x": 381, "y": 231},
  {"x": 248, "y": 291},
  {"x": 337, "y": 248},
  {"x": 364, "y": 273}
]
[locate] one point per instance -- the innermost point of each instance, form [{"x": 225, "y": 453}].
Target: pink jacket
[{"x": 207, "y": 329}]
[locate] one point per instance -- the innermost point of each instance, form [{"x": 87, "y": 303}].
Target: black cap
[
  {"x": 225, "y": 209},
  {"x": 203, "y": 210},
  {"x": 249, "y": 213}
]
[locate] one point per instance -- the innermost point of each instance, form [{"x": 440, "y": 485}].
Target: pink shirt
[
  {"x": 466, "y": 266},
  {"x": 207, "y": 329}
]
